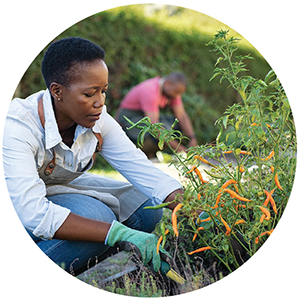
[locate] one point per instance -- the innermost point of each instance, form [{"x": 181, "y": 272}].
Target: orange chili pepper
[
  {"x": 191, "y": 170},
  {"x": 195, "y": 235},
  {"x": 277, "y": 182},
  {"x": 262, "y": 218},
  {"x": 204, "y": 160},
  {"x": 174, "y": 218},
  {"x": 200, "y": 176},
  {"x": 239, "y": 222},
  {"x": 228, "y": 229},
  {"x": 218, "y": 199},
  {"x": 207, "y": 219},
  {"x": 158, "y": 243},
  {"x": 269, "y": 195},
  {"x": 199, "y": 250},
  {"x": 236, "y": 188},
  {"x": 160, "y": 240},
  {"x": 269, "y": 232},
  {"x": 224, "y": 186},
  {"x": 242, "y": 169},
  {"x": 245, "y": 152},
  {"x": 271, "y": 200},
  {"x": 266, "y": 212},
  {"x": 199, "y": 196},
  {"x": 235, "y": 195},
  {"x": 227, "y": 152},
  {"x": 272, "y": 169},
  {"x": 228, "y": 182},
  {"x": 269, "y": 156}
]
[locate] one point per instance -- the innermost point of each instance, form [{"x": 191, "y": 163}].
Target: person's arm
[
  {"x": 154, "y": 116},
  {"x": 26, "y": 189},
  {"x": 133, "y": 164},
  {"x": 78, "y": 228}
]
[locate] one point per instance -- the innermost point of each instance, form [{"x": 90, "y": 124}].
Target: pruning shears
[{"x": 169, "y": 272}]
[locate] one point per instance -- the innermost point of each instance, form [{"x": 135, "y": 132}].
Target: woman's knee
[{"x": 144, "y": 219}]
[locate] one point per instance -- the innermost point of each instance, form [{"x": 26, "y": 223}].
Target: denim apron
[{"x": 121, "y": 197}]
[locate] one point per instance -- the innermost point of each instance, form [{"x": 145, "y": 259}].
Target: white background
[{"x": 273, "y": 29}]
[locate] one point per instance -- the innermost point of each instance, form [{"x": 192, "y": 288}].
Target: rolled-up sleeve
[
  {"x": 133, "y": 164},
  {"x": 26, "y": 189}
]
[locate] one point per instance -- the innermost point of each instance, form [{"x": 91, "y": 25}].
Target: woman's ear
[{"x": 55, "y": 91}]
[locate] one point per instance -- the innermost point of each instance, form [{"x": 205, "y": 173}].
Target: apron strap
[{"x": 50, "y": 167}]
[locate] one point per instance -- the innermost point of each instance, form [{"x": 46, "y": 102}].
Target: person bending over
[{"x": 151, "y": 98}]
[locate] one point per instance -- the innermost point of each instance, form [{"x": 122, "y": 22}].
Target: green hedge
[{"x": 139, "y": 47}]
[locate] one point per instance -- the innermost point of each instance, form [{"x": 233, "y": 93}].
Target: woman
[{"x": 75, "y": 217}]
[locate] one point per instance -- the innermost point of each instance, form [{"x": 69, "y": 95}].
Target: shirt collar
[{"x": 52, "y": 135}]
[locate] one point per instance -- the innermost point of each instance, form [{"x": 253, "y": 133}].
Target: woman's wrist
[{"x": 171, "y": 197}]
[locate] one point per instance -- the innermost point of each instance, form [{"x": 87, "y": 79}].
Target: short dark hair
[
  {"x": 177, "y": 77},
  {"x": 65, "y": 53}
]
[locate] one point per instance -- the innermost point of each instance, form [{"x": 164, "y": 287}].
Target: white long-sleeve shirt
[{"x": 26, "y": 142}]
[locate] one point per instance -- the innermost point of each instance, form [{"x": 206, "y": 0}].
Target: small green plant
[
  {"x": 243, "y": 199},
  {"x": 146, "y": 286}
]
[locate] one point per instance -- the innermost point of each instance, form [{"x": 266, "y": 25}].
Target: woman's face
[{"x": 81, "y": 102}]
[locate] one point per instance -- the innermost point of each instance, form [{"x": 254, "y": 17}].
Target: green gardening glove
[{"x": 142, "y": 243}]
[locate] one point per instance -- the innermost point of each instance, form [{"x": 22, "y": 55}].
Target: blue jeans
[{"x": 76, "y": 257}]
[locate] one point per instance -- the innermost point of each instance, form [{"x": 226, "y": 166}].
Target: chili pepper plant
[{"x": 242, "y": 198}]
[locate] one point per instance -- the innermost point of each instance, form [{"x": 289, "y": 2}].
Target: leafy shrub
[
  {"x": 139, "y": 47},
  {"x": 243, "y": 201}
]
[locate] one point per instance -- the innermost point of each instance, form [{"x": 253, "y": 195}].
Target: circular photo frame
[{"x": 203, "y": 107}]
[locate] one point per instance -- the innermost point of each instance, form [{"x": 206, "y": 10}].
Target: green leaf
[
  {"x": 270, "y": 74},
  {"x": 237, "y": 124},
  {"x": 161, "y": 141},
  {"x": 141, "y": 136},
  {"x": 215, "y": 75},
  {"x": 225, "y": 120},
  {"x": 218, "y": 60}
]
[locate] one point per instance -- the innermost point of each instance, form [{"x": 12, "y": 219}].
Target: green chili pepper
[
  {"x": 213, "y": 175},
  {"x": 157, "y": 206}
]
